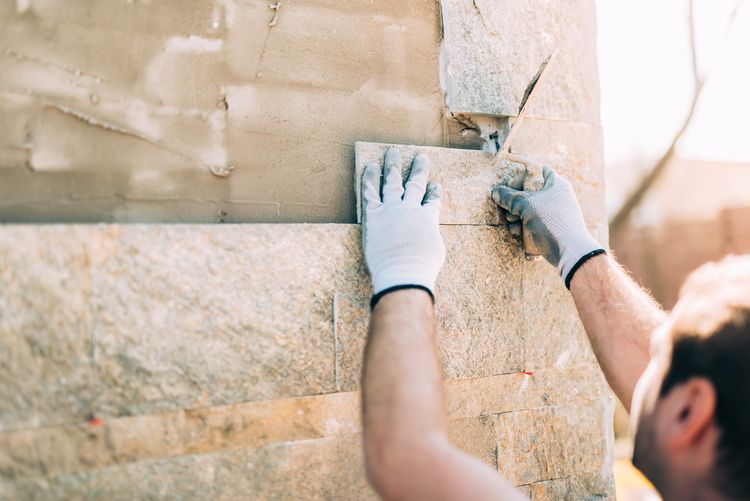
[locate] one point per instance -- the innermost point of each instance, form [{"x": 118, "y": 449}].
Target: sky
[{"x": 647, "y": 85}]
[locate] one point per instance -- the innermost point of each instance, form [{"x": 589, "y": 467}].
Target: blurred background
[{"x": 674, "y": 80}]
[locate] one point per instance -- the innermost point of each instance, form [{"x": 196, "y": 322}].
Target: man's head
[{"x": 692, "y": 404}]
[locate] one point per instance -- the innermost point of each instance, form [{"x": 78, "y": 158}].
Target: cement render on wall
[
  {"x": 224, "y": 360},
  {"x": 121, "y": 111}
]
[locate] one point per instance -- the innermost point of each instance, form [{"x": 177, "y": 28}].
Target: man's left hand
[{"x": 400, "y": 229}]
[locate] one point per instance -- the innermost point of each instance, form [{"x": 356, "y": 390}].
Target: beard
[{"x": 648, "y": 456}]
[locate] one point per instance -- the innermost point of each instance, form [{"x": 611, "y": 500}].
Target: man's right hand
[{"x": 554, "y": 219}]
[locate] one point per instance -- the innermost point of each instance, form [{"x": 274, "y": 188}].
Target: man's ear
[{"x": 691, "y": 411}]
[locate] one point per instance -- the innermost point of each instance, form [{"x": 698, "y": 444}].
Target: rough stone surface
[
  {"x": 475, "y": 436},
  {"x": 468, "y": 177},
  {"x": 479, "y": 311},
  {"x": 191, "y": 317},
  {"x": 554, "y": 442},
  {"x": 76, "y": 448},
  {"x": 320, "y": 469},
  {"x": 581, "y": 487},
  {"x": 46, "y": 369},
  {"x": 478, "y": 320},
  {"x": 493, "y": 48},
  {"x": 553, "y": 332},
  {"x": 198, "y": 381}
]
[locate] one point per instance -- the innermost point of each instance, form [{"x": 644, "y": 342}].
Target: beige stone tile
[
  {"x": 196, "y": 316},
  {"x": 574, "y": 488},
  {"x": 55, "y": 450},
  {"x": 521, "y": 391},
  {"x": 319, "y": 469},
  {"x": 331, "y": 468},
  {"x": 183, "y": 477},
  {"x": 75, "y": 448},
  {"x": 475, "y": 436},
  {"x": 525, "y": 490},
  {"x": 554, "y": 336},
  {"x": 492, "y": 49},
  {"x": 352, "y": 306},
  {"x": 45, "y": 325},
  {"x": 479, "y": 303},
  {"x": 467, "y": 177},
  {"x": 478, "y": 299},
  {"x": 574, "y": 150},
  {"x": 554, "y": 442}
]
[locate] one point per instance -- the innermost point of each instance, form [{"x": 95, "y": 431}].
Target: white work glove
[
  {"x": 554, "y": 219},
  {"x": 401, "y": 233}
]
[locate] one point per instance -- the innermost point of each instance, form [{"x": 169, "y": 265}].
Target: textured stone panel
[
  {"x": 352, "y": 306},
  {"x": 75, "y": 448},
  {"x": 320, "y": 469},
  {"x": 554, "y": 442},
  {"x": 45, "y": 325},
  {"x": 574, "y": 150},
  {"x": 468, "y": 177},
  {"x": 55, "y": 450},
  {"x": 479, "y": 303},
  {"x": 524, "y": 390},
  {"x": 554, "y": 336},
  {"x": 186, "y": 477},
  {"x": 493, "y": 48},
  {"x": 475, "y": 436},
  {"x": 596, "y": 486},
  {"x": 187, "y": 317},
  {"x": 478, "y": 299},
  {"x": 176, "y": 329}
]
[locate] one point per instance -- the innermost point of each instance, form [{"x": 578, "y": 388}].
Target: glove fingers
[
  {"x": 513, "y": 201},
  {"x": 549, "y": 176},
  {"x": 371, "y": 187},
  {"x": 433, "y": 197},
  {"x": 393, "y": 188},
  {"x": 417, "y": 184},
  {"x": 515, "y": 229}
]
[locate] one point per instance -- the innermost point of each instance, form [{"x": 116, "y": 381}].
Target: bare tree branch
[{"x": 620, "y": 219}]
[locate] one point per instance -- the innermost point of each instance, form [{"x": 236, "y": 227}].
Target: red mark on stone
[
  {"x": 95, "y": 421},
  {"x": 527, "y": 373}
]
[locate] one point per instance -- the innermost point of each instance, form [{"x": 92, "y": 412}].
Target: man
[{"x": 690, "y": 396}]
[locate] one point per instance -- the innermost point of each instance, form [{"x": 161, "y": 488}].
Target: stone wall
[{"x": 223, "y": 361}]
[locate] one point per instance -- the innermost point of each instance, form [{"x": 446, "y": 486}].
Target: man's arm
[
  {"x": 407, "y": 453},
  {"x": 618, "y": 315}
]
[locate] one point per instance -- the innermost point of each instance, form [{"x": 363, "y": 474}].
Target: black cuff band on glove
[
  {"x": 377, "y": 297},
  {"x": 580, "y": 262}
]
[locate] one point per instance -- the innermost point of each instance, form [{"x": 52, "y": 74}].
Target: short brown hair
[{"x": 711, "y": 338}]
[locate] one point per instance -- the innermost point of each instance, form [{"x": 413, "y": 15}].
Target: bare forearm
[
  {"x": 407, "y": 452},
  {"x": 619, "y": 317},
  {"x": 402, "y": 385}
]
